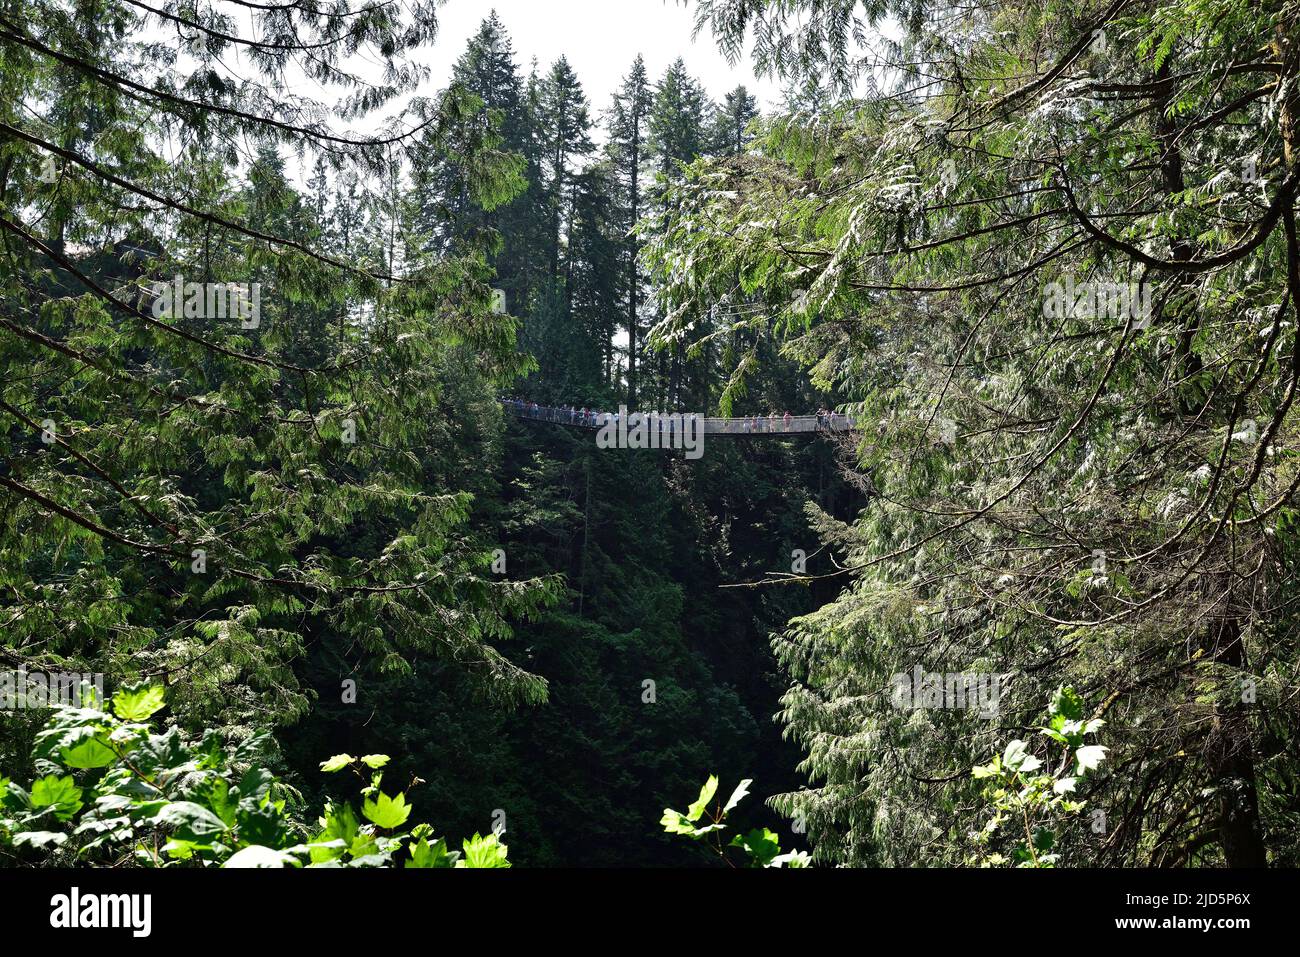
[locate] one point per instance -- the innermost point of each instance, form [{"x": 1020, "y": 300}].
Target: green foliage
[
  {"x": 1092, "y": 497},
  {"x": 212, "y": 500},
  {"x": 758, "y": 847},
  {"x": 160, "y": 799},
  {"x": 1061, "y": 499},
  {"x": 1029, "y": 799}
]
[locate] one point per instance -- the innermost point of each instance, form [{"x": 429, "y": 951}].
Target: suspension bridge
[{"x": 770, "y": 426}]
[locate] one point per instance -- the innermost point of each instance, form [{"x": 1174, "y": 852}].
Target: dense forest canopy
[
  {"x": 258, "y": 477},
  {"x": 1064, "y": 236}
]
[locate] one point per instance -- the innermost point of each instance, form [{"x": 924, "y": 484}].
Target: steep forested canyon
[{"x": 419, "y": 468}]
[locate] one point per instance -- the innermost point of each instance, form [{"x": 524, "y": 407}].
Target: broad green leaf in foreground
[
  {"x": 1017, "y": 758},
  {"x": 138, "y": 704},
  {"x": 738, "y": 795},
  {"x": 1090, "y": 756},
  {"x": 481, "y": 851},
  {"x": 192, "y": 821},
  {"x": 696, "y": 810},
  {"x": 255, "y": 855},
  {"x": 426, "y": 855},
  {"x": 336, "y": 763},
  {"x": 387, "y": 812},
  {"x": 89, "y": 753},
  {"x": 59, "y": 793}
]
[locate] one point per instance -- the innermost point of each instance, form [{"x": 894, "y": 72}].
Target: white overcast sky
[{"x": 601, "y": 38}]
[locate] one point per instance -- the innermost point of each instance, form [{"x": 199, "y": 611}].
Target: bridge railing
[
  {"x": 711, "y": 425},
  {"x": 767, "y": 425}
]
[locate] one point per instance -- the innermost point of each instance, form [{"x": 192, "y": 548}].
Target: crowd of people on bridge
[
  {"x": 742, "y": 425},
  {"x": 569, "y": 414}
]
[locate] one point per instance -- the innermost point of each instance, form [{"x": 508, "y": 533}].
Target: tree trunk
[
  {"x": 631, "y": 266},
  {"x": 1232, "y": 762}
]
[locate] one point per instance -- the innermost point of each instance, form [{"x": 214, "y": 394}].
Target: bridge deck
[{"x": 739, "y": 427}]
